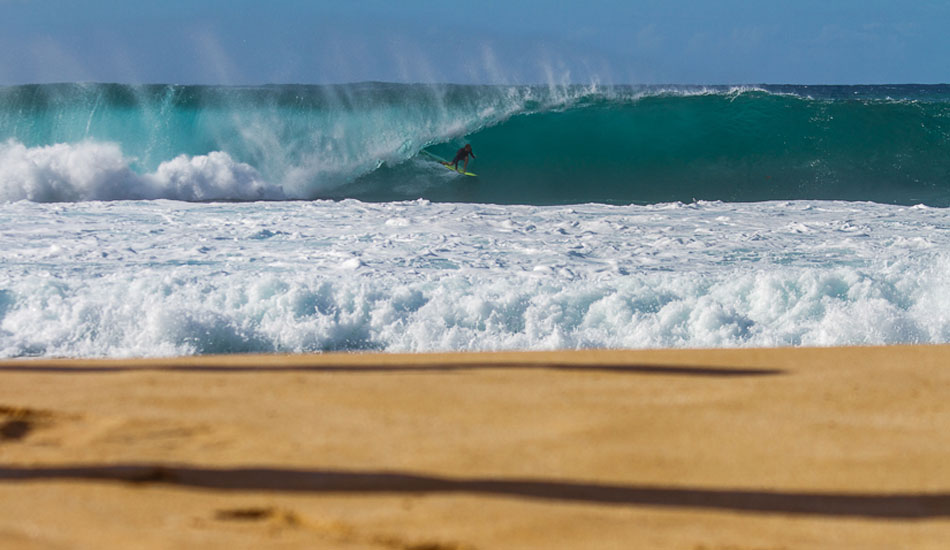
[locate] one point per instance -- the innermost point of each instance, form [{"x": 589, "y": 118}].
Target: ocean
[{"x": 156, "y": 220}]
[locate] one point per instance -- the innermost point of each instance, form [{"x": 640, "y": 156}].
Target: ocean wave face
[
  {"x": 534, "y": 145},
  {"x": 147, "y": 278}
]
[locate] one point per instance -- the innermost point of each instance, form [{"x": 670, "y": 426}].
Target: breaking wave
[{"x": 534, "y": 145}]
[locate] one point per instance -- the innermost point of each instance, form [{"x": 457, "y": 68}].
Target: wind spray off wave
[{"x": 535, "y": 145}]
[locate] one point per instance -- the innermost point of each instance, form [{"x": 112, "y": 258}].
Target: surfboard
[
  {"x": 447, "y": 164},
  {"x": 459, "y": 170}
]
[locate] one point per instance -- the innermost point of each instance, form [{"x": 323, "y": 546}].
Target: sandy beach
[{"x": 760, "y": 449}]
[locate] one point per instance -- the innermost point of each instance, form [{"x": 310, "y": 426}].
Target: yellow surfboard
[
  {"x": 448, "y": 164},
  {"x": 459, "y": 170}
]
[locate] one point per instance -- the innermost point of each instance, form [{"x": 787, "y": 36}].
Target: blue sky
[{"x": 513, "y": 41}]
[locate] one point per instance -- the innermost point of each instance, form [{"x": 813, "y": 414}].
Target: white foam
[
  {"x": 100, "y": 171},
  {"x": 213, "y": 176},
  {"x": 159, "y": 277},
  {"x": 65, "y": 172}
]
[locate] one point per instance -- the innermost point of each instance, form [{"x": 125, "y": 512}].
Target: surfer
[{"x": 461, "y": 154}]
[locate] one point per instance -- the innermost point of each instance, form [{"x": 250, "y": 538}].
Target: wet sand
[{"x": 761, "y": 449}]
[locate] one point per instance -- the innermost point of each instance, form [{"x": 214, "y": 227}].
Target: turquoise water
[{"x": 534, "y": 145}]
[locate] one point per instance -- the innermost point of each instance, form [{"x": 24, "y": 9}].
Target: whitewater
[{"x": 169, "y": 220}]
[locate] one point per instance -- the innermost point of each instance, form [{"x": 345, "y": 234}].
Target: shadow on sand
[
  {"x": 889, "y": 506},
  {"x": 441, "y": 367}
]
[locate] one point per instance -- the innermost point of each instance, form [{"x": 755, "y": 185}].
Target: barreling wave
[{"x": 535, "y": 145}]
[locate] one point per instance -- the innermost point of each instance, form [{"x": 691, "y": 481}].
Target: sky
[{"x": 242, "y": 42}]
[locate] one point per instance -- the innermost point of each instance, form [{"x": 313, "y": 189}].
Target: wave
[{"x": 534, "y": 145}]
